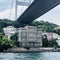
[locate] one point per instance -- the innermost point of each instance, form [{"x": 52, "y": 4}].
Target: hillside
[{"x": 45, "y": 26}]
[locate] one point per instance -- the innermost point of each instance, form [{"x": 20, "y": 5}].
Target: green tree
[
  {"x": 45, "y": 26},
  {"x": 57, "y": 31},
  {"x": 53, "y": 43},
  {"x": 14, "y": 37},
  {"x": 45, "y": 41},
  {"x": 6, "y": 44}
]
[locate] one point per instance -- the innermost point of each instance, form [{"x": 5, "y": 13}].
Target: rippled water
[{"x": 30, "y": 56}]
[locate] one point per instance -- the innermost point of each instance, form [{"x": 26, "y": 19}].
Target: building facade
[
  {"x": 30, "y": 35},
  {"x": 9, "y": 31},
  {"x": 50, "y": 35}
]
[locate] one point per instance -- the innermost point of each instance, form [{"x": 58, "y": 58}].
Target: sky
[{"x": 52, "y": 16}]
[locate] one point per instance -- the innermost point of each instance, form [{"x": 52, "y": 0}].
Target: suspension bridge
[{"x": 35, "y": 9}]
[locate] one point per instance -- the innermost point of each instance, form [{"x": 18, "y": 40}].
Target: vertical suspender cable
[
  {"x": 11, "y": 8},
  {"x": 22, "y": 7},
  {"x": 16, "y": 9}
]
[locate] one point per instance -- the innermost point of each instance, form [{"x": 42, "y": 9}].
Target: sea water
[{"x": 30, "y": 56}]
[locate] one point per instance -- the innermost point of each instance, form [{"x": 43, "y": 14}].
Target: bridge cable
[
  {"x": 22, "y": 7},
  {"x": 11, "y": 8}
]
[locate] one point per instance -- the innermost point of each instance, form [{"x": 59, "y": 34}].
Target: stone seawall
[{"x": 33, "y": 50}]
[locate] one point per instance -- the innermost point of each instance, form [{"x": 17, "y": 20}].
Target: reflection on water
[{"x": 30, "y": 56}]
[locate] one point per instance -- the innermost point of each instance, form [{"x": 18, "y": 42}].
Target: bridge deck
[{"x": 36, "y": 9}]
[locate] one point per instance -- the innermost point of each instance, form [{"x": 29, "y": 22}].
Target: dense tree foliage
[
  {"x": 41, "y": 24},
  {"x": 51, "y": 43},
  {"x": 57, "y": 31},
  {"x": 14, "y": 37},
  {"x": 5, "y": 22},
  {"x": 45, "y": 41},
  {"x": 45, "y": 26},
  {"x": 5, "y": 43}
]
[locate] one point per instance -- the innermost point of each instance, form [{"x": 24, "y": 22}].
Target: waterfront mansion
[{"x": 30, "y": 35}]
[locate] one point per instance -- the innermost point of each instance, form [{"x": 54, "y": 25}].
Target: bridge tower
[{"x": 24, "y": 3}]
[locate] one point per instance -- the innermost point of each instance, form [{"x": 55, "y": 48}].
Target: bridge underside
[{"x": 36, "y": 9}]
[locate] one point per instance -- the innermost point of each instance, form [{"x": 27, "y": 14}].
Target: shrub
[{"x": 27, "y": 46}]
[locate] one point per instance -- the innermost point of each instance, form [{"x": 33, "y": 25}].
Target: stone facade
[{"x": 30, "y": 35}]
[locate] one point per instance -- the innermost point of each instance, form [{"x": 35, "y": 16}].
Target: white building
[
  {"x": 58, "y": 41},
  {"x": 50, "y": 35},
  {"x": 30, "y": 35},
  {"x": 9, "y": 31}
]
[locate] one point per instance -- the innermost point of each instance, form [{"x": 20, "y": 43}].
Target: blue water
[{"x": 30, "y": 56}]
